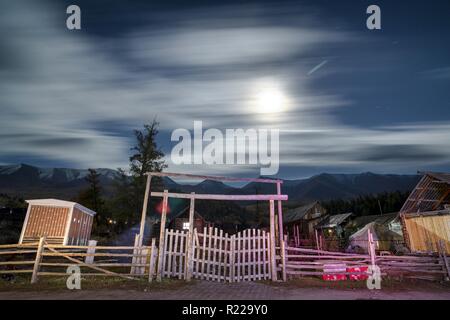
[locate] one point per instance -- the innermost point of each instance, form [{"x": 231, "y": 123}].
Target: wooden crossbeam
[
  {"x": 216, "y": 178},
  {"x": 222, "y": 196}
]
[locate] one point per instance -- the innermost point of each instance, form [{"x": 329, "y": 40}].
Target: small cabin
[
  {"x": 180, "y": 221},
  {"x": 61, "y": 222},
  {"x": 299, "y": 223}
]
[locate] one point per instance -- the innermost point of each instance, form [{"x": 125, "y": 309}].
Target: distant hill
[{"x": 33, "y": 182}]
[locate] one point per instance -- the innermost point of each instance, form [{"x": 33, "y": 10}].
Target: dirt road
[{"x": 203, "y": 290}]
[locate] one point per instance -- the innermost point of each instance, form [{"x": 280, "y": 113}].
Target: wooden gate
[{"x": 217, "y": 256}]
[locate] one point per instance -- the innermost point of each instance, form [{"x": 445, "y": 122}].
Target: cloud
[
  {"x": 72, "y": 97},
  {"x": 232, "y": 45}
]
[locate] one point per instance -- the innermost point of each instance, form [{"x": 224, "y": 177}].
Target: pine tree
[{"x": 91, "y": 196}]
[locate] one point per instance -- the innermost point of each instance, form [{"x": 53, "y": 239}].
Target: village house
[
  {"x": 425, "y": 215},
  {"x": 331, "y": 231},
  {"x": 299, "y": 223}
]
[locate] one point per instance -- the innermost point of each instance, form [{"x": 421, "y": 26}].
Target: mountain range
[{"x": 34, "y": 182}]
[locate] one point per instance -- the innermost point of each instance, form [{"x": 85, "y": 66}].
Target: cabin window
[{"x": 185, "y": 225}]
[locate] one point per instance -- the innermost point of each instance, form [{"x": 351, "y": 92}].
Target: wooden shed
[
  {"x": 61, "y": 222},
  {"x": 426, "y": 214}
]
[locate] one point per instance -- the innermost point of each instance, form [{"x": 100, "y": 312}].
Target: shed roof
[
  {"x": 60, "y": 203},
  {"x": 297, "y": 213},
  {"x": 334, "y": 220},
  {"x": 444, "y": 177},
  {"x": 442, "y": 212},
  {"x": 431, "y": 193}
]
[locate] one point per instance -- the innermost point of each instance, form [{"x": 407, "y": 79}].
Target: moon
[{"x": 269, "y": 99}]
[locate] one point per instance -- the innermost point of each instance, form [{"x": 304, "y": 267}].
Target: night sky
[{"x": 355, "y": 99}]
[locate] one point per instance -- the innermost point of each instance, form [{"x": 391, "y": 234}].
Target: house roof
[
  {"x": 60, "y": 203},
  {"x": 361, "y": 221},
  {"x": 380, "y": 232},
  {"x": 297, "y": 213},
  {"x": 334, "y": 220}
]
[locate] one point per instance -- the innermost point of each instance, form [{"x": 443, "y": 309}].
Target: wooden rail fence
[
  {"x": 311, "y": 262},
  {"x": 210, "y": 255}
]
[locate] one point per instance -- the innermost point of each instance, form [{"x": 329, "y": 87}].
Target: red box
[
  {"x": 334, "y": 277},
  {"x": 357, "y": 276}
]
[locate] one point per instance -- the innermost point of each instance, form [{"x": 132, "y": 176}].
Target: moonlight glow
[{"x": 268, "y": 98}]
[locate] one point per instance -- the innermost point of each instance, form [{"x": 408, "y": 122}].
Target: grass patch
[{"x": 46, "y": 283}]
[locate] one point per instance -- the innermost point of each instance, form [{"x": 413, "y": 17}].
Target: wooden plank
[
  {"x": 232, "y": 258},
  {"x": 17, "y": 252},
  {"x": 197, "y": 252},
  {"x": 204, "y": 253},
  {"x": 37, "y": 261},
  {"x": 214, "y": 253},
  {"x": 244, "y": 254},
  {"x": 264, "y": 252},
  {"x": 258, "y": 248},
  {"x": 174, "y": 253},
  {"x": 223, "y": 197},
  {"x": 220, "y": 258},
  {"x": 254, "y": 267},
  {"x": 162, "y": 237},
  {"x": 181, "y": 261},
  {"x": 151, "y": 268},
  {"x": 208, "y": 259},
  {"x": 169, "y": 253},
  {"x": 272, "y": 240},
  {"x": 238, "y": 257}
]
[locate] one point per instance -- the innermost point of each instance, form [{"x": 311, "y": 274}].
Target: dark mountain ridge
[{"x": 33, "y": 182}]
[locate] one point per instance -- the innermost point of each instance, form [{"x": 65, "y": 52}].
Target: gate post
[
  {"x": 189, "y": 246},
  {"x": 272, "y": 241},
  {"x": 162, "y": 236},
  {"x": 90, "y": 250},
  {"x": 283, "y": 258}
]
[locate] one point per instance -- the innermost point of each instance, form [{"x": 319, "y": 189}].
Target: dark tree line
[{"x": 385, "y": 202}]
